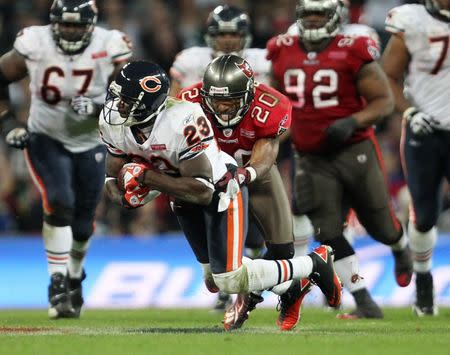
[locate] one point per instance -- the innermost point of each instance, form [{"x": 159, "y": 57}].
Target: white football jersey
[
  {"x": 349, "y": 29},
  {"x": 428, "y": 79},
  {"x": 181, "y": 131},
  {"x": 55, "y": 78},
  {"x": 190, "y": 64}
]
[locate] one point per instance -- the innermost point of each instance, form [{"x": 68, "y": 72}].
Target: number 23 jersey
[
  {"x": 55, "y": 78},
  {"x": 180, "y": 132},
  {"x": 269, "y": 116},
  {"x": 321, "y": 85}
]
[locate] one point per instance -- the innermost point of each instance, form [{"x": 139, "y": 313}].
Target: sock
[
  {"x": 57, "y": 242},
  {"x": 281, "y": 288},
  {"x": 401, "y": 244},
  {"x": 263, "y": 274},
  {"x": 422, "y": 245},
  {"x": 347, "y": 269},
  {"x": 76, "y": 259},
  {"x": 303, "y": 231}
]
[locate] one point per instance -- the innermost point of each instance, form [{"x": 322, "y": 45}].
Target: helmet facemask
[
  {"x": 330, "y": 9},
  {"x": 132, "y": 110},
  {"x": 71, "y": 41}
]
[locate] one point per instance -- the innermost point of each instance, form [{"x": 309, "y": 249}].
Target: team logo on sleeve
[
  {"x": 150, "y": 84},
  {"x": 246, "y": 69}
]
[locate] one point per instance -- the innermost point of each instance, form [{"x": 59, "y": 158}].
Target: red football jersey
[
  {"x": 320, "y": 85},
  {"x": 269, "y": 115}
]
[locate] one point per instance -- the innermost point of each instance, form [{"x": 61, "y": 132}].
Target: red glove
[
  {"x": 223, "y": 182},
  {"x": 135, "y": 198},
  {"x": 242, "y": 176},
  {"x": 131, "y": 176}
]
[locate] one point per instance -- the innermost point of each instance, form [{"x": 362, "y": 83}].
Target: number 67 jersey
[
  {"x": 56, "y": 77},
  {"x": 269, "y": 116}
]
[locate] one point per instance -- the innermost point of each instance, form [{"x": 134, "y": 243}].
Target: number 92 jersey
[
  {"x": 428, "y": 77},
  {"x": 321, "y": 85},
  {"x": 180, "y": 132},
  {"x": 269, "y": 116},
  {"x": 55, "y": 78}
]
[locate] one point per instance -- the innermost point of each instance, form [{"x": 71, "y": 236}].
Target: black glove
[{"x": 340, "y": 131}]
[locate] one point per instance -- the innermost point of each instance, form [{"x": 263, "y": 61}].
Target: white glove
[
  {"x": 421, "y": 123},
  {"x": 18, "y": 138},
  {"x": 83, "y": 105},
  {"x": 226, "y": 197}
]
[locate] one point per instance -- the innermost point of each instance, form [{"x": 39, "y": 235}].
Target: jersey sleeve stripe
[
  {"x": 121, "y": 56},
  {"x": 187, "y": 156},
  {"x": 195, "y": 146},
  {"x": 394, "y": 29}
]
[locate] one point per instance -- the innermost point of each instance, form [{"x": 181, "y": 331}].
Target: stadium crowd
[{"x": 159, "y": 30}]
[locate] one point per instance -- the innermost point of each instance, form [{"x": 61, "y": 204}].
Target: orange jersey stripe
[{"x": 39, "y": 184}]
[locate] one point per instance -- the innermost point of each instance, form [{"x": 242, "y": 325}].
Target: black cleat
[
  {"x": 223, "y": 301},
  {"x": 366, "y": 307},
  {"x": 75, "y": 291},
  {"x": 403, "y": 266},
  {"x": 424, "y": 305},
  {"x": 238, "y": 312},
  {"x": 324, "y": 276},
  {"x": 60, "y": 305}
]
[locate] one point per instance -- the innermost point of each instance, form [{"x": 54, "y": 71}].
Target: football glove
[
  {"x": 131, "y": 176},
  {"x": 420, "y": 123},
  {"x": 84, "y": 106},
  {"x": 139, "y": 197},
  {"x": 243, "y": 176},
  {"x": 18, "y": 138},
  {"x": 341, "y": 130}
]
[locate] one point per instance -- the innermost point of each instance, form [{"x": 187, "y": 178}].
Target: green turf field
[{"x": 199, "y": 331}]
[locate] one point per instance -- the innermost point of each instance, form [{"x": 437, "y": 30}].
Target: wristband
[
  {"x": 252, "y": 173},
  {"x": 109, "y": 178},
  {"x": 409, "y": 112}
]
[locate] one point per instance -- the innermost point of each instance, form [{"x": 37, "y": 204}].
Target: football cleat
[
  {"x": 424, "y": 305},
  {"x": 239, "y": 311},
  {"x": 60, "y": 305},
  {"x": 324, "y": 276},
  {"x": 290, "y": 304},
  {"x": 366, "y": 307},
  {"x": 223, "y": 301},
  {"x": 403, "y": 266},
  {"x": 75, "y": 291}
]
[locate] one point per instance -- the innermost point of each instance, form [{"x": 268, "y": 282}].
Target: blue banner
[{"x": 161, "y": 271}]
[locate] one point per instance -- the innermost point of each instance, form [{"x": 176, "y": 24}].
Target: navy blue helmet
[
  {"x": 72, "y": 23},
  {"x": 138, "y": 94}
]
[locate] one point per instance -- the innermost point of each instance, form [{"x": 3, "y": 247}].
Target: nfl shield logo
[{"x": 227, "y": 132}]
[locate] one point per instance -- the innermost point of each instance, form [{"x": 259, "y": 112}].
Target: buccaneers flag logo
[{"x": 246, "y": 69}]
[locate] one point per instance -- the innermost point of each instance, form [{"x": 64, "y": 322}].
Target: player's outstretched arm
[
  {"x": 264, "y": 155},
  {"x": 12, "y": 68}
]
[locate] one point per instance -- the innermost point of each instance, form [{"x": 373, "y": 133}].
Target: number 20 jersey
[
  {"x": 428, "y": 77},
  {"x": 269, "y": 116},
  {"x": 321, "y": 85},
  {"x": 55, "y": 78}
]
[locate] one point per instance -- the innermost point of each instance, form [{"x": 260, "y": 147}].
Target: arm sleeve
[
  {"x": 28, "y": 43},
  {"x": 119, "y": 47}
]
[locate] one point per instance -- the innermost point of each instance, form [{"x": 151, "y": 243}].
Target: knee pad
[
  {"x": 235, "y": 281},
  {"x": 279, "y": 251},
  {"x": 341, "y": 247},
  {"x": 61, "y": 215}
]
